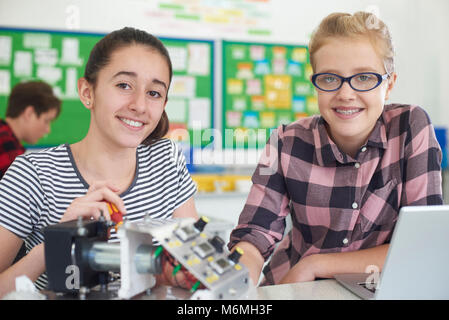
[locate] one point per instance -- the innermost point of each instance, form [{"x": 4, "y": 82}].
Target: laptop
[{"x": 417, "y": 263}]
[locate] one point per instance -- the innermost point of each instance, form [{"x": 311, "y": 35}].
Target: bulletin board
[
  {"x": 59, "y": 58},
  {"x": 264, "y": 85}
]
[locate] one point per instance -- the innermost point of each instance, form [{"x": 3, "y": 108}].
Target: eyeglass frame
[{"x": 380, "y": 79}]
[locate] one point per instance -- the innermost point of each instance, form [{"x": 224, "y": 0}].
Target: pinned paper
[
  {"x": 36, "y": 40},
  {"x": 253, "y": 87},
  {"x": 312, "y": 105},
  {"x": 233, "y": 118},
  {"x": 258, "y": 102},
  {"x": 5, "y": 50},
  {"x": 299, "y": 54},
  {"x": 279, "y": 52},
  {"x": 199, "y": 59},
  {"x": 257, "y": 52},
  {"x": 308, "y": 72},
  {"x": 199, "y": 113},
  {"x": 183, "y": 87},
  {"x": 22, "y": 64},
  {"x": 294, "y": 69},
  {"x": 239, "y": 104},
  {"x": 49, "y": 74},
  {"x": 70, "y": 51},
  {"x": 267, "y": 119},
  {"x": 176, "y": 110},
  {"x": 250, "y": 120},
  {"x": 300, "y": 115},
  {"x": 5, "y": 80},
  {"x": 284, "y": 118},
  {"x": 299, "y": 104},
  {"x": 279, "y": 66},
  {"x": 238, "y": 53},
  {"x": 234, "y": 86},
  {"x": 178, "y": 57},
  {"x": 46, "y": 57},
  {"x": 303, "y": 89},
  {"x": 244, "y": 70},
  {"x": 71, "y": 80},
  {"x": 262, "y": 67}
]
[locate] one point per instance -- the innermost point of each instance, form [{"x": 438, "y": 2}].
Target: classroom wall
[{"x": 418, "y": 28}]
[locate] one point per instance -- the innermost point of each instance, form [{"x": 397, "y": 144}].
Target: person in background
[
  {"x": 32, "y": 107},
  {"x": 343, "y": 175},
  {"x": 123, "y": 159}
]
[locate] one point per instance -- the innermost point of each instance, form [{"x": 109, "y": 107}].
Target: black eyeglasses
[{"x": 361, "y": 82}]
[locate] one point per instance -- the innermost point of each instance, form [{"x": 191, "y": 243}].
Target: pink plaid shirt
[{"x": 338, "y": 203}]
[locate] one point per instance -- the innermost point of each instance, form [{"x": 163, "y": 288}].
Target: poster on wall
[
  {"x": 205, "y": 17},
  {"x": 264, "y": 86}
]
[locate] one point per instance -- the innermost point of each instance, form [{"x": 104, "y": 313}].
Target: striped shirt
[
  {"x": 38, "y": 187},
  {"x": 338, "y": 203}
]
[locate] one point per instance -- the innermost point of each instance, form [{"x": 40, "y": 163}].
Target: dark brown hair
[
  {"x": 37, "y": 94},
  {"x": 101, "y": 55}
]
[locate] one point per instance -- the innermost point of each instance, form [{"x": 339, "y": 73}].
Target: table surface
[{"x": 328, "y": 289}]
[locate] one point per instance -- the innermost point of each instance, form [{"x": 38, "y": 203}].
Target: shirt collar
[{"x": 328, "y": 152}]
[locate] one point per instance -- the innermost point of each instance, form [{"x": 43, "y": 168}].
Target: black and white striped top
[{"x": 38, "y": 187}]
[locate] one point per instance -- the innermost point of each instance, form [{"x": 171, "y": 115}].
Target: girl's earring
[{"x": 88, "y": 103}]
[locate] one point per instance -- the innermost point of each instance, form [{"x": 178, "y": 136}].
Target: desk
[
  {"x": 328, "y": 289},
  {"x": 314, "y": 290}
]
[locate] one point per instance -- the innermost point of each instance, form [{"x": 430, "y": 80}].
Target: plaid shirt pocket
[{"x": 380, "y": 209}]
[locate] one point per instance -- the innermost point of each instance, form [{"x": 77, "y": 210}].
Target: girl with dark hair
[{"x": 123, "y": 158}]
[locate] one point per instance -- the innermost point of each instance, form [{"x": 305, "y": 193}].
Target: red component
[{"x": 116, "y": 215}]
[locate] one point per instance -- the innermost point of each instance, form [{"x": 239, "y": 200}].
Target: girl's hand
[{"x": 93, "y": 204}]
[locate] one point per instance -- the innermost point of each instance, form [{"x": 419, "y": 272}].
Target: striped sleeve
[
  {"x": 186, "y": 186},
  {"x": 422, "y": 162},
  {"x": 20, "y": 198}
]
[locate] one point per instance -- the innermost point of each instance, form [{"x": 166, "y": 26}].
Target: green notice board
[
  {"x": 264, "y": 85},
  {"x": 59, "y": 58}
]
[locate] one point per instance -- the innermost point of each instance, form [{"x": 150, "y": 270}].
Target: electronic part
[
  {"x": 221, "y": 265},
  {"x": 203, "y": 250}
]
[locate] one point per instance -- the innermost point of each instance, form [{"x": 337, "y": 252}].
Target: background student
[
  {"x": 32, "y": 107},
  {"x": 122, "y": 159},
  {"x": 344, "y": 175}
]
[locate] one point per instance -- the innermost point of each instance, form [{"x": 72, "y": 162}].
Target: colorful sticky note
[
  {"x": 239, "y": 104},
  {"x": 253, "y": 87},
  {"x": 257, "y": 102},
  {"x": 294, "y": 69},
  {"x": 284, "y": 118},
  {"x": 300, "y": 115},
  {"x": 234, "y": 86},
  {"x": 267, "y": 119},
  {"x": 299, "y": 104},
  {"x": 299, "y": 54},
  {"x": 312, "y": 105},
  {"x": 262, "y": 67},
  {"x": 250, "y": 120},
  {"x": 233, "y": 118},
  {"x": 257, "y": 52},
  {"x": 245, "y": 70},
  {"x": 279, "y": 66},
  {"x": 279, "y": 52}
]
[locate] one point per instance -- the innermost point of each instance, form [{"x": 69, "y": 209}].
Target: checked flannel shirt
[
  {"x": 10, "y": 147},
  {"x": 338, "y": 203}
]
